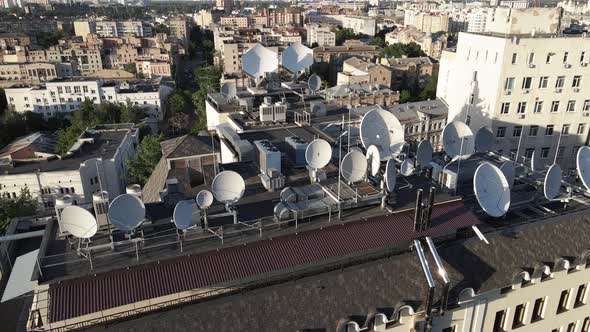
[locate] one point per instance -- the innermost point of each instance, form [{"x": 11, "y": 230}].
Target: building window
[
  {"x": 549, "y": 130},
  {"x": 586, "y": 325},
  {"x": 519, "y": 312},
  {"x": 581, "y": 296},
  {"x": 514, "y": 58},
  {"x": 565, "y": 129},
  {"x": 517, "y": 131},
  {"x": 581, "y": 128},
  {"x": 549, "y": 58},
  {"x": 527, "y": 82},
  {"x": 560, "y": 82},
  {"x": 544, "y": 153},
  {"x": 565, "y": 57},
  {"x": 501, "y": 132},
  {"x": 533, "y": 130},
  {"x": 449, "y": 329},
  {"x": 509, "y": 83},
  {"x": 531, "y": 58},
  {"x": 571, "y": 327},
  {"x": 560, "y": 152},
  {"x": 563, "y": 301},
  {"x": 499, "y": 321},
  {"x": 528, "y": 153},
  {"x": 555, "y": 106},
  {"x": 543, "y": 82},
  {"x": 571, "y": 106},
  {"x": 577, "y": 81},
  {"x": 538, "y": 107},
  {"x": 586, "y": 106},
  {"x": 505, "y": 109},
  {"x": 521, "y": 108}
]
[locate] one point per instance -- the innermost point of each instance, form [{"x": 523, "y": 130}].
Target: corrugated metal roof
[{"x": 80, "y": 296}]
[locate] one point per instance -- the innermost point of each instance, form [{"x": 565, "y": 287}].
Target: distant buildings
[
  {"x": 432, "y": 45},
  {"x": 355, "y": 70},
  {"x": 112, "y": 28},
  {"x": 64, "y": 96},
  {"x": 322, "y": 36},
  {"x": 427, "y": 22},
  {"x": 410, "y": 70},
  {"x": 97, "y": 161},
  {"x": 179, "y": 28}
]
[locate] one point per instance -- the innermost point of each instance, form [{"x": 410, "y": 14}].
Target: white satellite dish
[
  {"x": 424, "y": 153},
  {"x": 78, "y": 222},
  {"x": 407, "y": 167},
  {"x": 297, "y": 58},
  {"x": 228, "y": 187},
  {"x": 204, "y": 199},
  {"x": 314, "y": 83},
  {"x": 458, "y": 140},
  {"x": 382, "y": 129},
  {"x": 228, "y": 90},
  {"x": 183, "y": 215},
  {"x": 491, "y": 190},
  {"x": 258, "y": 61},
  {"x": 318, "y": 153},
  {"x": 533, "y": 162},
  {"x": 509, "y": 172},
  {"x": 374, "y": 160},
  {"x": 126, "y": 212},
  {"x": 318, "y": 108},
  {"x": 354, "y": 166},
  {"x": 583, "y": 165},
  {"x": 484, "y": 140},
  {"x": 552, "y": 182},
  {"x": 390, "y": 175}
]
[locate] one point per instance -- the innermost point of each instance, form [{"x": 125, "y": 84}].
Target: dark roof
[
  {"x": 75, "y": 297},
  {"x": 105, "y": 146},
  {"x": 186, "y": 146},
  {"x": 320, "y": 301}
]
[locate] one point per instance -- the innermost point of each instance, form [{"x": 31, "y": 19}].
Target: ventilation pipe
[
  {"x": 431, "y": 285},
  {"x": 418, "y": 212}
]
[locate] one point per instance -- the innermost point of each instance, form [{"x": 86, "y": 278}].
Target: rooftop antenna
[
  {"x": 258, "y": 61},
  {"x": 204, "y": 200},
  {"x": 297, "y": 59},
  {"x": 509, "y": 172},
  {"x": 458, "y": 143},
  {"x": 183, "y": 219},
  {"x": 491, "y": 190},
  {"x": 484, "y": 140},
  {"x": 228, "y": 187},
  {"x": 126, "y": 213},
  {"x": 583, "y": 165},
  {"x": 424, "y": 153},
  {"x": 382, "y": 129},
  {"x": 79, "y": 223},
  {"x": 374, "y": 159},
  {"x": 314, "y": 83},
  {"x": 407, "y": 167},
  {"x": 552, "y": 182},
  {"x": 317, "y": 154},
  {"x": 354, "y": 166}
]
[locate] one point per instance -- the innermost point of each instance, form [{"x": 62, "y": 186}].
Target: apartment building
[
  {"x": 235, "y": 21},
  {"x": 63, "y": 96},
  {"x": 322, "y": 36},
  {"x": 355, "y": 70},
  {"x": 109, "y": 29},
  {"x": 97, "y": 161},
  {"x": 358, "y": 24},
  {"x": 34, "y": 72},
  {"x": 179, "y": 28},
  {"x": 410, "y": 70},
  {"x": 153, "y": 69},
  {"x": 531, "y": 90},
  {"x": 431, "y": 22},
  {"x": 432, "y": 45}
]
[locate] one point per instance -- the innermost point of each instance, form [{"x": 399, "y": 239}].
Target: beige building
[
  {"x": 532, "y": 86},
  {"x": 179, "y": 28},
  {"x": 432, "y": 45},
  {"x": 411, "y": 70},
  {"x": 355, "y": 70},
  {"x": 31, "y": 72},
  {"x": 234, "y": 21},
  {"x": 151, "y": 69},
  {"x": 432, "y": 23},
  {"x": 322, "y": 36}
]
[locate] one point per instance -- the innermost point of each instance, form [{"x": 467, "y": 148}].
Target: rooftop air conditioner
[
  {"x": 526, "y": 91},
  {"x": 521, "y": 116},
  {"x": 586, "y": 114},
  {"x": 576, "y": 89},
  {"x": 508, "y": 92},
  {"x": 558, "y": 90},
  {"x": 584, "y": 64},
  {"x": 531, "y": 65},
  {"x": 567, "y": 65}
]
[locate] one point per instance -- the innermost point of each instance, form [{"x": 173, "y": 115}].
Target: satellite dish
[
  {"x": 491, "y": 190},
  {"x": 297, "y": 58},
  {"x": 390, "y": 175},
  {"x": 458, "y": 140},
  {"x": 228, "y": 187},
  {"x": 78, "y": 222},
  {"x": 318, "y": 153},
  {"x": 552, "y": 182},
  {"x": 424, "y": 153},
  {"x": 126, "y": 212},
  {"x": 374, "y": 159},
  {"x": 382, "y": 129},
  {"x": 258, "y": 61},
  {"x": 407, "y": 167},
  {"x": 484, "y": 140},
  {"x": 183, "y": 215},
  {"x": 583, "y": 165},
  {"x": 228, "y": 90},
  {"x": 354, "y": 166},
  {"x": 509, "y": 172},
  {"x": 314, "y": 83},
  {"x": 533, "y": 162},
  {"x": 318, "y": 108},
  {"x": 204, "y": 199}
]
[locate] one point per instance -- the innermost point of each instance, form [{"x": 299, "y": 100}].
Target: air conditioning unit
[
  {"x": 558, "y": 90},
  {"x": 576, "y": 89},
  {"x": 507, "y": 92},
  {"x": 567, "y": 65},
  {"x": 521, "y": 116},
  {"x": 586, "y": 114},
  {"x": 526, "y": 91},
  {"x": 584, "y": 64},
  {"x": 531, "y": 65}
]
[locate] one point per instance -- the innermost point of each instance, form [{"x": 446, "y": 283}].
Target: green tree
[
  {"x": 109, "y": 113},
  {"x": 3, "y": 103},
  {"x": 429, "y": 91},
  {"x": 176, "y": 103},
  {"x": 148, "y": 155},
  {"x": 345, "y": 34},
  {"x": 131, "y": 113},
  {"x": 131, "y": 68},
  {"x": 405, "y": 96},
  {"x": 378, "y": 41},
  {"x": 23, "y": 205},
  {"x": 399, "y": 50}
]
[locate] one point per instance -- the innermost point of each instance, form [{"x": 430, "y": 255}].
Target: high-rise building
[
  {"x": 179, "y": 28},
  {"x": 227, "y": 5}
]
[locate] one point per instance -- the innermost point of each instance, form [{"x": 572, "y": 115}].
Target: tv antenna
[{"x": 491, "y": 190}]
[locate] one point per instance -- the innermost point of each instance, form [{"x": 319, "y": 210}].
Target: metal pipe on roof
[{"x": 418, "y": 212}]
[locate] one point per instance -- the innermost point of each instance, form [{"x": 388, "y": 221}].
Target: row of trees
[
  {"x": 23, "y": 205},
  {"x": 148, "y": 155}
]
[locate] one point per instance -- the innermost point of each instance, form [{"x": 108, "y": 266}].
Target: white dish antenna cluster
[
  {"x": 552, "y": 182},
  {"x": 314, "y": 83},
  {"x": 354, "y": 166},
  {"x": 318, "y": 153},
  {"x": 228, "y": 187},
  {"x": 374, "y": 160},
  {"x": 491, "y": 190},
  {"x": 258, "y": 61},
  {"x": 458, "y": 140},
  {"x": 78, "y": 222},
  {"x": 509, "y": 172},
  {"x": 204, "y": 199},
  {"x": 297, "y": 58},
  {"x": 183, "y": 215},
  {"x": 390, "y": 175},
  {"x": 484, "y": 140},
  {"x": 126, "y": 212},
  {"x": 228, "y": 90},
  {"x": 407, "y": 167},
  {"x": 424, "y": 153},
  {"x": 382, "y": 129}
]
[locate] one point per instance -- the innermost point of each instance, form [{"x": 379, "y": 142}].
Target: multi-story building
[
  {"x": 358, "y": 24},
  {"x": 530, "y": 86},
  {"x": 97, "y": 161},
  {"x": 410, "y": 70},
  {"x": 66, "y": 95},
  {"x": 355, "y": 70},
  {"x": 179, "y": 28},
  {"x": 432, "y": 45},
  {"x": 476, "y": 20},
  {"x": 226, "y": 5},
  {"x": 235, "y": 21},
  {"x": 108, "y": 29},
  {"x": 322, "y": 36},
  {"x": 33, "y": 72},
  {"x": 152, "y": 69},
  {"x": 431, "y": 22}
]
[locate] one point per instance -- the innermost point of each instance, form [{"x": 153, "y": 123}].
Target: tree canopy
[
  {"x": 23, "y": 205},
  {"x": 399, "y": 50},
  {"x": 148, "y": 155},
  {"x": 344, "y": 34}
]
